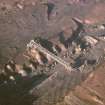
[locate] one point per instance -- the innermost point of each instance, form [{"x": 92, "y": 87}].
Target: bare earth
[{"x": 23, "y": 20}]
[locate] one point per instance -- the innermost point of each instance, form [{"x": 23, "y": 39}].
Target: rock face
[
  {"x": 96, "y": 15},
  {"x": 21, "y": 20},
  {"x": 17, "y": 28},
  {"x": 71, "y": 28},
  {"x": 90, "y": 92}
]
